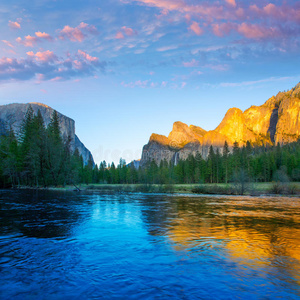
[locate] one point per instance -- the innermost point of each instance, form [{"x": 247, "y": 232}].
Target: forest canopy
[{"x": 38, "y": 156}]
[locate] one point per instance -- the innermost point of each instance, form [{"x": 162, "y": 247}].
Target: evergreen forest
[{"x": 38, "y": 156}]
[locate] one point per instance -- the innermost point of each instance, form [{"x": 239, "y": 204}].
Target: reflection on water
[{"x": 87, "y": 246}]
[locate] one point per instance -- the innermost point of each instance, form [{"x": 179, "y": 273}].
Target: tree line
[
  {"x": 249, "y": 162},
  {"x": 40, "y": 156}
]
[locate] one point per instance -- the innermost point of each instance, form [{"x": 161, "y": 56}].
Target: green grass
[{"x": 221, "y": 188}]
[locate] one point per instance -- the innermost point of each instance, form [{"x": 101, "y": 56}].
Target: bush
[
  {"x": 277, "y": 188},
  {"x": 293, "y": 189},
  {"x": 213, "y": 190}
]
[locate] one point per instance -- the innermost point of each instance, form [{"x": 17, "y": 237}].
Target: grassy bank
[{"x": 254, "y": 189}]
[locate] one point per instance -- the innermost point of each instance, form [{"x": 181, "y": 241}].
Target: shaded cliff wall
[{"x": 12, "y": 115}]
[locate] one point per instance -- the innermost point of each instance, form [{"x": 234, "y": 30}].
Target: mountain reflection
[
  {"x": 38, "y": 214},
  {"x": 254, "y": 232},
  {"x": 93, "y": 245}
]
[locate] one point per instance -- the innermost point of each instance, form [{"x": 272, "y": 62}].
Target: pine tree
[
  {"x": 9, "y": 157},
  {"x": 56, "y": 153},
  {"x": 211, "y": 164},
  {"x": 225, "y": 159}
]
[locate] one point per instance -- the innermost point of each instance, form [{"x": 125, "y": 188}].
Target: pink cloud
[
  {"x": 88, "y": 28},
  {"x": 73, "y": 34},
  {"x": 255, "y": 31},
  {"x": 9, "y": 44},
  {"x": 125, "y": 31},
  {"x": 203, "y": 10},
  {"x": 45, "y": 66},
  {"x": 191, "y": 64},
  {"x": 29, "y": 41},
  {"x": 128, "y": 31},
  {"x": 43, "y": 91},
  {"x": 163, "y": 13},
  {"x": 270, "y": 11},
  {"x": 57, "y": 78},
  {"x": 231, "y": 2},
  {"x": 164, "y": 4},
  {"x": 46, "y": 56},
  {"x": 14, "y": 25},
  {"x": 44, "y": 35},
  {"x": 267, "y": 21},
  {"x": 119, "y": 35},
  {"x": 196, "y": 28},
  {"x": 222, "y": 29},
  {"x": 87, "y": 56},
  {"x": 79, "y": 33}
]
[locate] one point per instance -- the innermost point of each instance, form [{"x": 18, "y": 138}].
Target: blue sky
[{"x": 123, "y": 69}]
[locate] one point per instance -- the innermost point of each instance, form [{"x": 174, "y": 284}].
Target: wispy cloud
[
  {"x": 79, "y": 33},
  {"x": 166, "y": 48},
  {"x": 254, "y": 82},
  {"x": 269, "y": 21},
  {"x": 119, "y": 35},
  {"x": 46, "y": 56},
  {"x": 31, "y": 41},
  {"x": 14, "y": 25},
  {"x": 46, "y": 65},
  {"x": 125, "y": 31},
  {"x": 191, "y": 64},
  {"x": 196, "y": 28},
  {"x": 128, "y": 31},
  {"x": 231, "y": 2},
  {"x": 28, "y": 41},
  {"x": 254, "y": 31},
  {"x": 9, "y": 44},
  {"x": 44, "y": 35},
  {"x": 144, "y": 84},
  {"x": 87, "y": 56}
]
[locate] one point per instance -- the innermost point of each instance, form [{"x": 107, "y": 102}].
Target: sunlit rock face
[
  {"x": 288, "y": 126},
  {"x": 276, "y": 121},
  {"x": 234, "y": 128},
  {"x": 183, "y": 134},
  {"x": 12, "y": 115}
]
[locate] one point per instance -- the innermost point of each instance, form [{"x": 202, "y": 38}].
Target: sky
[{"x": 123, "y": 69}]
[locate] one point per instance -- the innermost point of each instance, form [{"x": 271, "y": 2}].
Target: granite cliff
[
  {"x": 276, "y": 121},
  {"x": 12, "y": 115}
]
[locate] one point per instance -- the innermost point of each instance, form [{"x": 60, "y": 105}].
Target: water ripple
[{"x": 137, "y": 246}]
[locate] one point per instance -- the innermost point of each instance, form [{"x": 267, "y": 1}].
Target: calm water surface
[{"x": 137, "y": 246}]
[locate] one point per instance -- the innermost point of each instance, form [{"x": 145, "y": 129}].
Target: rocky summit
[
  {"x": 276, "y": 121},
  {"x": 12, "y": 116}
]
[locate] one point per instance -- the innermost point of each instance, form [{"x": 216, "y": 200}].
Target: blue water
[{"x": 64, "y": 245}]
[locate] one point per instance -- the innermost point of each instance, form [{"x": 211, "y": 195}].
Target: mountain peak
[
  {"x": 160, "y": 139},
  {"x": 275, "y": 121},
  {"x": 40, "y": 104},
  {"x": 12, "y": 115}
]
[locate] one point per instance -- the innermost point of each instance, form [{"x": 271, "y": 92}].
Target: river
[{"x": 67, "y": 245}]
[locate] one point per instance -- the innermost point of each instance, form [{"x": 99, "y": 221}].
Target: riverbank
[{"x": 253, "y": 189}]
